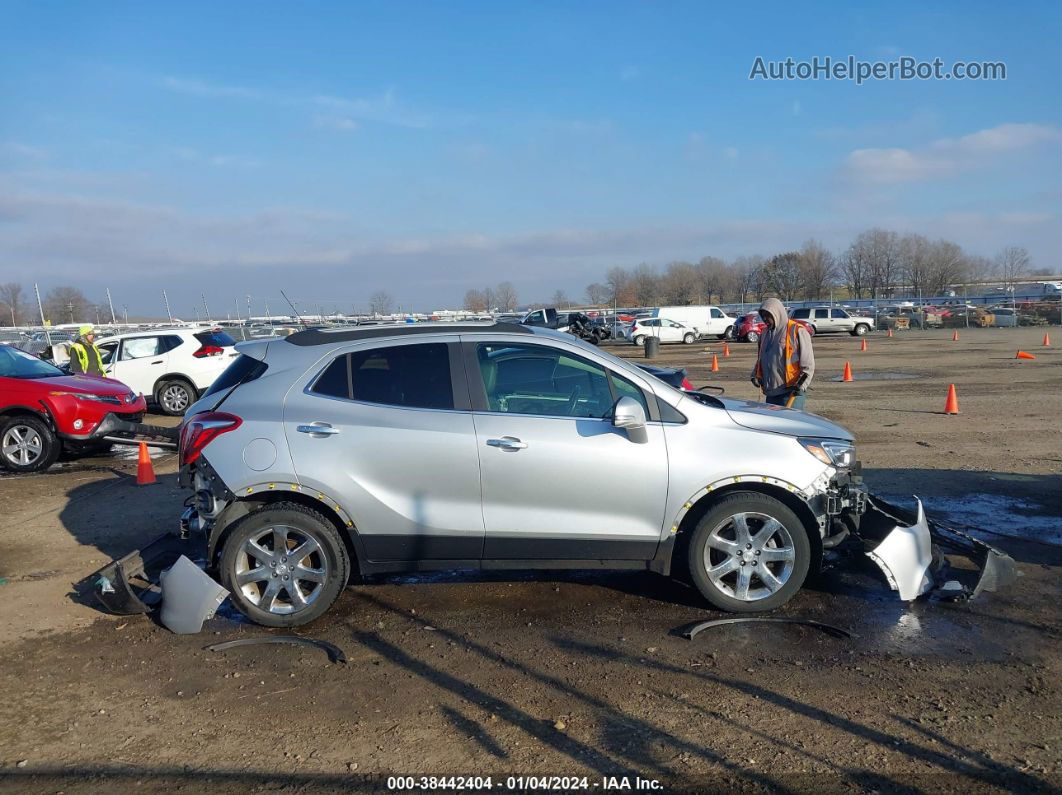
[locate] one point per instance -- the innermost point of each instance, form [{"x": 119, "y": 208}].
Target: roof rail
[{"x": 318, "y": 336}]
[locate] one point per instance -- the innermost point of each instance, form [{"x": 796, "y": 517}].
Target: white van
[{"x": 710, "y": 321}]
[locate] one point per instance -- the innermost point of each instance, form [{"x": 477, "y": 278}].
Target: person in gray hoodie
[{"x": 785, "y": 362}]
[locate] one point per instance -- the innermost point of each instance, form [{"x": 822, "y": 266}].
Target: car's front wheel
[
  {"x": 284, "y": 565},
  {"x": 27, "y": 444},
  {"x": 860, "y": 330},
  {"x": 728, "y": 334},
  {"x": 689, "y": 339},
  {"x": 752, "y": 336},
  {"x": 749, "y": 553}
]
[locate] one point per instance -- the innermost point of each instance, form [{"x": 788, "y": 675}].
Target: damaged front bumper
[{"x": 908, "y": 548}]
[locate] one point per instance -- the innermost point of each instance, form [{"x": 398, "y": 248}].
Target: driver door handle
[
  {"x": 317, "y": 429},
  {"x": 507, "y": 443}
]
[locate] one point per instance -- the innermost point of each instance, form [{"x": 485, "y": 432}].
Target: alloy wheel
[
  {"x": 281, "y": 570},
  {"x": 749, "y": 556},
  {"x": 22, "y": 445},
  {"x": 175, "y": 398}
]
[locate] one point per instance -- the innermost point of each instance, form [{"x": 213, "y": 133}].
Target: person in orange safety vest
[{"x": 785, "y": 362}]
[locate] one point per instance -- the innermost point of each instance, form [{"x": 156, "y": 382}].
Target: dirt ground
[{"x": 582, "y": 673}]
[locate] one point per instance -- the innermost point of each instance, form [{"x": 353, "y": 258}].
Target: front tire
[
  {"x": 752, "y": 336},
  {"x": 860, "y": 330},
  {"x": 749, "y": 553},
  {"x": 728, "y": 334},
  {"x": 27, "y": 444},
  {"x": 284, "y": 565},
  {"x": 175, "y": 396},
  {"x": 689, "y": 339}
]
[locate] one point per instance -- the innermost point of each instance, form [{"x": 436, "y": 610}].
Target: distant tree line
[{"x": 61, "y": 305}]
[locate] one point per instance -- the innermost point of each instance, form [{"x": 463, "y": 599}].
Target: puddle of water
[
  {"x": 879, "y": 376},
  {"x": 1006, "y": 516}
]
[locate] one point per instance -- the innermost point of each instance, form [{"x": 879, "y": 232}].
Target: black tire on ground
[
  {"x": 638, "y": 340},
  {"x": 331, "y": 556},
  {"x": 728, "y": 334},
  {"x": 752, "y": 336},
  {"x": 860, "y": 330},
  {"x": 27, "y": 444},
  {"x": 747, "y": 502},
  {"x": 174, "y": 396},
  {"x": 689, "y": 339}
]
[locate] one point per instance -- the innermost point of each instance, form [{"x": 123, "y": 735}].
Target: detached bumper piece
[
  {"x": 131, "y": 584},
  {"x": 908, "y": 548}
]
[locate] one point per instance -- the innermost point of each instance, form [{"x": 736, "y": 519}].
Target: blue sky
[{"x": 334, "y": 149}]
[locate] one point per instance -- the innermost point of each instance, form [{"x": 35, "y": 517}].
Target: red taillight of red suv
[
  {"x": 208, "y": 350},
  {"x": 202, "y": 429},
  {"x": 686, "y": 384}
]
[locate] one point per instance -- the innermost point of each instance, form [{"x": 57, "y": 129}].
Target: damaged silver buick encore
[{"x": 442, "y": 446}]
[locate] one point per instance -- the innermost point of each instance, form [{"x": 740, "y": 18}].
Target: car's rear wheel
[
  {"x": 860, "y": 330},
  {"x": 175, "y": 396},
  {"x": 752, "y": 336},
  {"x": 27, "y": 444},
  {"x": 689, "y": 339},
  {"x": 749, "y": 553},
  {"x": 284, "y": 565},
  {"x": 638, "y": 340}
]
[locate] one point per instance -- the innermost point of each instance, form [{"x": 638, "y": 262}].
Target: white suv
[
  {"x": 666, "y": 330},
  {"x": 173, "y": 367},
  {"x": 827, "y": 319}
]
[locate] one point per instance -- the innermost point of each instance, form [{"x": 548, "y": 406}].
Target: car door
[
  {"x": 559, "y": 480},
  {"x": 841, "y": 320},
  {"x": 140, "y": 363},
  {"x": 386, "y": 431},
  {"x": 718, "y": 323},
  {"x": 670, "y": 331}
]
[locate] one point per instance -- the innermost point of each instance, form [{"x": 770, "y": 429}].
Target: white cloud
[
  {"x": 336, "y": 123},
  {"x": 948, "y": 156},
  {"x": 202, "y": 88}
]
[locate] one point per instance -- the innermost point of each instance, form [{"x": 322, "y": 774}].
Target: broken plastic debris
[{"x": 189, "y": 597}]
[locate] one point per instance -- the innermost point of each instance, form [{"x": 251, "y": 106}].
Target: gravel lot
[{"x": 579, "y": 674}]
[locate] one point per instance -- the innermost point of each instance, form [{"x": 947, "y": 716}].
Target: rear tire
[
  {"x": 638, "y": 340},
  {"x": 175, "y": 396},
  {"x": 752, "y": 336},
  {"x": 728, "y": 334},
  {"x": 254, "y": 566},
  {"x": 751, "y": 570},
  {"x": 27, "y": 444}
]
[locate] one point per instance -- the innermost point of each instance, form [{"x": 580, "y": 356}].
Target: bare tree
[
  {"x": 381, "y": 303},
  {"x": 598, "y": 294},
  {"x": 11, "y": 303},
  {"x": 506, "y": 297},
  {"x": 66, "y": 305},
  {"x": 475, "y": 302},
  {"x": 560, "y": 299},
  {"x": 947, "y": 266},
  {"x": 1011, "y": 264},
  {"x": 782, "y": 275},
  {"x": 916, "y": 265},
  {"x": 490, "y": 298},
  {"x": 712, "y": 278},
  {"x": 680, "y": 284},
  {"x": 855, "y": 267},
  {"x": 749, "y": 278},
  {"x": 817, "y": 269},
  {"x": 620, "y": 285},
  {"x": 645, "y": 285}
]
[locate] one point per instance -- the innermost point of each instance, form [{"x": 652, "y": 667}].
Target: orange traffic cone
[
  {"x": 847, "y": 372},
  {"x": 1047, "y": 340},
  {"x": 955, "y": 336},
  {"x": 145, "y": 472},
  {"x": 715, "y": 363},
  {"x": 951, "y": 405},
  {"x": 863, "y": 347},
  {"x": 889, "y": 334},
  {"x": 726, "y": 349},
  {"x": 1024, "y": 355}
]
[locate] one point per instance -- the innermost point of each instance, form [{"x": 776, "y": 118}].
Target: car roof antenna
[{"x": 293, "y": 309}]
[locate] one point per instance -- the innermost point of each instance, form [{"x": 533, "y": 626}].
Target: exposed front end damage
[{"x": 909, "y": 551}]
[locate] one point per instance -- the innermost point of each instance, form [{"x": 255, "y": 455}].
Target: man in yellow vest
[
  {"x": 785, "y": 362},
  {"x": 84, "y": 355}
]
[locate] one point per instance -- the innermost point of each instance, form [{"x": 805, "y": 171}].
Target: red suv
[
  {"x": 42, "y": 410},
  {"x": 750, "y": 327}
]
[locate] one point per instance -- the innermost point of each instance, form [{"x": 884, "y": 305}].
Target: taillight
[
  {"x": 686, "y": 384},
  {"x": 202, "y": 429},
  {"x": 208, "y": 350}
]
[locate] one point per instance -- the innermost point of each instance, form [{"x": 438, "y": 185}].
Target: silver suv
[
  {"x": 441, "y": 446},
  {"x": 827, "y": 319}
]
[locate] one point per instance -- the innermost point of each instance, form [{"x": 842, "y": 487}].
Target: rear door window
[
  {"x": 821, "y": 314},
  {"x": 801, "y": 314},
  {"x": 839, "y": 314}
]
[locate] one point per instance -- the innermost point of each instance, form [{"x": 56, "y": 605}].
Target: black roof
[{"x": 317, "y": 336}]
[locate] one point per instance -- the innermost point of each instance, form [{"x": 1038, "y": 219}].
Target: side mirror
[{"x": 629, "y": 414}]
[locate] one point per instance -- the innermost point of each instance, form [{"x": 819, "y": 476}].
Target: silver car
[{"x": 332, "y": 453}]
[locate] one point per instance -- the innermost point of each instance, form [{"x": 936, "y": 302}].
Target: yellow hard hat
[{"x": 86, "y": 329}]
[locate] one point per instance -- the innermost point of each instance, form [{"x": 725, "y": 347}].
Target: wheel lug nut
[
  {"x": 753, "y": 563},
  {"x": 283, "y": 560},
  {"x": 742, "y": 563},
  {"x": 757, "y": 552},
  {"x": 748, "y": 546},
  {"x": 273, "y": 563},
  {"x": 285, "y": 577},
  {"x": 275, "y": 574}
]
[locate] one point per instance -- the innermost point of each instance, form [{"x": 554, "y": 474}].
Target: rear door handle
[
  {"x": 317, "y": 429},
  {"x": 507, "y": 443},
  {"x": 157, "y": 362}
]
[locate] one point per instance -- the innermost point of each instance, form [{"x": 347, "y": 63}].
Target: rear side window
[
  {"x": 411, "y": 376},
  {"x": 801, "y": 314},
  {"x": 244, "y": 368},
  {"x": 218, "y": 338}
]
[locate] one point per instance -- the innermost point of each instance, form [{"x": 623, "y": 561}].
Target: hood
[
  {"x": 778, "y": 419},
  {"x": 105, "y": 387},
  {"x": 776, "y": 309}
]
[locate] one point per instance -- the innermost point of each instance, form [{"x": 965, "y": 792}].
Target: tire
[
  {"x": 788, "y": 544},
  {"x": 689, "y": 339},
  {"x": 728, "y": 334},
  {"x": 638, "y": 340},
  {"x": 249, "y": 577},
  {"x": 175, "y": 396},
  {"x": 752, "y": 336},
  {"x": 27, "y": 444},
  {"x": 860, "y": 330}
]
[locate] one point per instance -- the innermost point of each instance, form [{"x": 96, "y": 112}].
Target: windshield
[{"x": 19, "y": 364}]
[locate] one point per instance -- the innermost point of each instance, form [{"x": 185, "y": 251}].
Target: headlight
[
  {"x": 81, "y": 396},
  {"x": 834, "y": 452}
]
